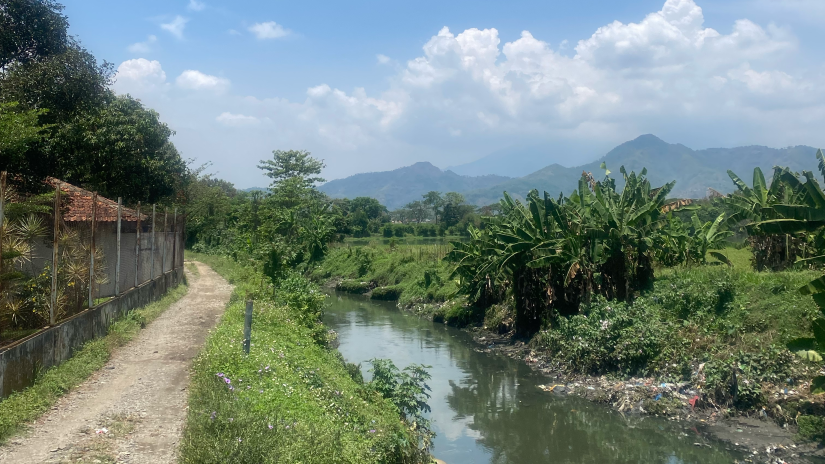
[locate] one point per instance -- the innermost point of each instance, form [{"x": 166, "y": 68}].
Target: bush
[
  {"x": 387, "y": 293},
  {"x": 353, "y": 286}
]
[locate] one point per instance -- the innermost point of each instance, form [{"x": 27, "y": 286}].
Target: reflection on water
[{"x": 488, "y": 409}]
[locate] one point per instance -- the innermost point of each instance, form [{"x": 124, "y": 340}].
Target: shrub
[
  {"x": 391, "y": 293},
  {"x": 353, "y": 286}
]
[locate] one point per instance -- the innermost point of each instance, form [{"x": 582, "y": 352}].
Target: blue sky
[{"x": 377, "y": 85}]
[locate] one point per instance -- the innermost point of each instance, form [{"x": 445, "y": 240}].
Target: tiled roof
[{"x": 78, "y": 205}]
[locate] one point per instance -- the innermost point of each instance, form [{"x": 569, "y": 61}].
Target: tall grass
[{"x": 291, "y": 399}]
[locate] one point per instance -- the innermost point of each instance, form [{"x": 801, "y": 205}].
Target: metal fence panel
[{"x": 103, "y": 249}]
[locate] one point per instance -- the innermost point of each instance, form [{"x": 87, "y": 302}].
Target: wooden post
[
  {"x": 92, "y": 253},
  {"x": 247, "y": 327},
  {"x": 53, "y": 309},
  {"x": 152, "y": 272},
  {"x": 165, "y": 236},
  {"x": 174, "y": 238},
  {"x": 117, "y": 269},
  {"x": 137, "y": 249}
]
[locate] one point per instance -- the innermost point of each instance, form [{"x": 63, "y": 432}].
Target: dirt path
[{"x": 139, "y": 397}]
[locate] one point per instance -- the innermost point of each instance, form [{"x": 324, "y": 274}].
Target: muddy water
[{"x": 488, "y": 408}]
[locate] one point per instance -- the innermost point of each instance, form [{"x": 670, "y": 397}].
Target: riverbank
[
  {"x": 292, "y": 399},
  {"x": 705, "y": 344}
]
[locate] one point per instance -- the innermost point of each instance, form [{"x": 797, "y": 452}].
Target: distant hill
[
  {"x": 395, "y": 189},
  {"x": 693, "y": 170},
  {"x": 511, "y": 162}
]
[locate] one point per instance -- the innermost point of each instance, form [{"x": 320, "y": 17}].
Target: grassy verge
[
  {"x": 292, "y": 399},
  {"x": 415, "y": 274},
  {"x": 26, "y": 405}
]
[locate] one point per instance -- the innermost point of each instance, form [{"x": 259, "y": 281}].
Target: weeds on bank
[
  {"x": 292, "y": 399},
  {"x": 28, "y": 404}
]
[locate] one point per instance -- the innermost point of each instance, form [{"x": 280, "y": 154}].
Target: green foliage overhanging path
[{"x": 139, "y": 397}]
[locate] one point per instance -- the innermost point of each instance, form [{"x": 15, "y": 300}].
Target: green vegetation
[
  {"x": 58, "y": 116},
  {"x": 293, "y": 399},
  {"x": 26, "y": 405},
  {"x": 412, "y": 274}
]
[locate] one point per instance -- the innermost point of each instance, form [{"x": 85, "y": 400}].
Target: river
[{"x": 488, "y": 408}]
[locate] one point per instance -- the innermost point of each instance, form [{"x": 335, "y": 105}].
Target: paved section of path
[{"x": 139, "y": 397}]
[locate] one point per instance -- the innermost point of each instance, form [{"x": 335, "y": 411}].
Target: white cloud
[
  {"x": 269, "y": 30},
  {"x": 143, "y": 47},
  {"x": 176, "y": 26},
  {"x": 468, "y": 94},
  {"x": 237, "y": 120},
  {"x": 139, "y": 76},
  {"x": 195, "y": 5},
  {"x": 233, "y": 32},
  {"x": 382, "y": 59},
  {"x": 195, "y": 80}
]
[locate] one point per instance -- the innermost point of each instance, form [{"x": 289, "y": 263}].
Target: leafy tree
[
  {"x": 18, "y": 131},
  {"x": 293, "y": 164},
  {"x": 30, "y": 30},
  {"x": 370, "y": 206},
  {"x": 417, "y": 211},
  {"x": 433, "y": 200}
]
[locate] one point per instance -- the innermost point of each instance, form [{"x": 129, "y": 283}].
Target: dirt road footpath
[{"x": 133, "y": 410}]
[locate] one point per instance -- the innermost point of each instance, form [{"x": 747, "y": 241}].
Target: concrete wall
[{"x": 21, "y": 362}]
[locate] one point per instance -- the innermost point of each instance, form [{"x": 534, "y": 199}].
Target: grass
[
  {"x": 416, "y": 273},
  {"x": 28, "y": 404},
  {"x": 193, "y": 269},
  {"x": 292, "y": 399}
]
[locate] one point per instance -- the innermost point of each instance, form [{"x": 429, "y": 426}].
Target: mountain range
[{"x": 693, "y": 170}]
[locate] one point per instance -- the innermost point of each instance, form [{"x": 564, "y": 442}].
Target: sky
[{"x": 375, "y": 85}]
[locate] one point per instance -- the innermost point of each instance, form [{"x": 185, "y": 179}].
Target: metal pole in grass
[
  {"x": 53, "y": 308},
  {"x": 117, "y": 269},
  {"x": 92, "y": 253},
  {"x": 137, "y": 248},
  {"x": 247, "y": 327}
]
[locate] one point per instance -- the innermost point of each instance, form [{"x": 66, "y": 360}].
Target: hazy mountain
[
  {"x": 510, "y": 162},
  {"x": 395, "y": 189},
  {"x": 693, "y": 170}
]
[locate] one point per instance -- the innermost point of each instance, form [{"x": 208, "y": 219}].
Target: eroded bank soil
[{"x": 133, "y": 410}]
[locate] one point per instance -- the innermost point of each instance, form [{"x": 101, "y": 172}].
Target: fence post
[
  {"x": 92, "y": 253},
  {"x": 117, "y": 269},
  {"x": 247, "y": 327},
  {"x": 174, "y": 238},
  {"x": 53, "y": 309},
  {"x": 2, "y": 218},
  {"x": 137, "y": 249},
  {"x": 152, "y": 272},
  {"x": 165, "y": 236}
]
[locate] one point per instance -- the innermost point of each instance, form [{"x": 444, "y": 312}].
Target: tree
[
  {"x": 372, "y": 207},
  {"x": 418, "y": 211},
  {"x": 30, "y": 30},
  {"x": 18, "y": 131},
  {"x": 433, "y": 200},
  {"x": 293, "y": 164}
]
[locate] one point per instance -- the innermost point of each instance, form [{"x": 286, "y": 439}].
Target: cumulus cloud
[
  {"x": 139, "y": 76},
  {"x": 269, "y": 30},
  {"x": 143, "y": 47},
  {"x": 236, "y": 120},
  {"x": 382, "y": 59},
  {"x": 195, "y": 5},
  {"x": 195, "y": 80},
  {"x": 176, "y": 26},
  {"x": 469, "y": 93}
]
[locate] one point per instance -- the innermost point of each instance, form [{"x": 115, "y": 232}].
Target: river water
[{"x": 488, "y": 409}]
